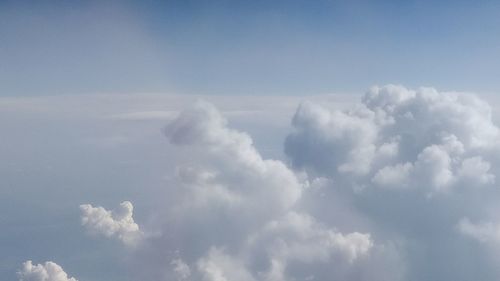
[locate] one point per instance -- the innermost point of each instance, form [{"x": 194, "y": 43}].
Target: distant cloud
[
  {"x": 117, "y": 223},
  {"x": 49, "y": 271},
  {"x": 145, "y": 115}
]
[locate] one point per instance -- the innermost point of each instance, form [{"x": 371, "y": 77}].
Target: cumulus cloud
[
  {"x": 371, "y": 192},
  {"x": 117, "y": 223},
  {"x": 228, "y": 168},
  {"x": 414, "y": 162},
  {"x": 398, "y": 138},
  {"x": 294, "y": 239},
  {"x": 49, "y": 271},
  {"x": 236, "y": 215},
  {"x": 299, "y": 237}
]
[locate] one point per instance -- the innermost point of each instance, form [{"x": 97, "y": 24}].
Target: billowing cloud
[
  {"x": 117, "y": 223},
  {"x": 234, "y": 174},
  {"x": 377, "y": 191},
  {"x": 236, "y": 216},
  {"x": 414, "y": 162},
  {"x": 398, "y": 138},
  {"x": 49, "y": 271}
]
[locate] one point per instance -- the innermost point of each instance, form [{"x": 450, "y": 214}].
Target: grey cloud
[{"x": 485, "y": 232}]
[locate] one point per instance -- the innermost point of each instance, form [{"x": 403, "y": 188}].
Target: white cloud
[
  {"x": 117, "y": 223},
  {"x": 49, "y": 271},
  {"x": 294, "y": 238},
  {"x": 228, "y": 165},
  {"x": 398, "y": 138},
  {"x": 218, "y": 266},
  {"x": 320, "y": 134},
  {"x": 299, "y": 237},
  {"x": 476, "y": 169},
  {"x": 234, "y": 211},
  {"x": 350, "y": 207},
  {"x": 393, "y": 176},
  {"x": 413, "y": 162}
]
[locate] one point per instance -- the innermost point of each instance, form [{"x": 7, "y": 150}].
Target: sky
[
  {"x": 241, "y": 47},
  {"x": 249, "y": 140}
]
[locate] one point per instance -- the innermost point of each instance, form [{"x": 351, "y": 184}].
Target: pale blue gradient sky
[{"x": 246, "y": 47}]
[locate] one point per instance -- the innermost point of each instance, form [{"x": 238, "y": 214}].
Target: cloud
[
  {"x": 298, "y": 238},
  {"x": 375, "y": 191},
  {"x": 309, "y": 241},
  {"x": 181, "y": 269},
  {"x": 398, "y": 138},
  {"x": 117, "y": 223},
  {"x": 412, "y": 163},
  {"x": 218, "y": 266},
  {"x": 485, "y": 232},
  {"x": 236, "y": 216},
  {"x": 294, "y": 239},
  {"x": 229, "y": 169},
  {"x": 49, "y": 271}
]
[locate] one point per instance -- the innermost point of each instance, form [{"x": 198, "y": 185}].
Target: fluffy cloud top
[
  {"x": 398, "y": 138},
  {"x": 117, "y": 223},
  {"x": 49, "y": 271},
  {"x": 396, "y": 145}
]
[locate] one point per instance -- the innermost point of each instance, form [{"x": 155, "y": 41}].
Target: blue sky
[{"x": 246, "y": 47}]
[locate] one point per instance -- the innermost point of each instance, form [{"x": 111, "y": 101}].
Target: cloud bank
[{"x": 400, "y": 186}]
